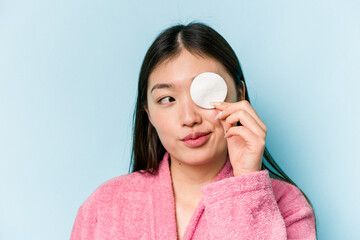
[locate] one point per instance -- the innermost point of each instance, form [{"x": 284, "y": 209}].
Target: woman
[{"x": 197, "y": 173}]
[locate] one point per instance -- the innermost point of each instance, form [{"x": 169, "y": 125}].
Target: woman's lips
[{"x": 196, "y": 139}]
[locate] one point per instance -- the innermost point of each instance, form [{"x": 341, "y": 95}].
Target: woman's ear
[
  {"x": 241, "y": 91},
  {"x": 147, "y": 112}
]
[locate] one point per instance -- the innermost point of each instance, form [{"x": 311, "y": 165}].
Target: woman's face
[{"x": 174, "y": 115}]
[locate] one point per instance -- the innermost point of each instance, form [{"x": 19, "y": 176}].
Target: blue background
[{"x": 68, "y": 77}]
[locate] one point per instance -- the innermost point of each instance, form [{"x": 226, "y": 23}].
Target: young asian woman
[{"x": 196, "y": 173}]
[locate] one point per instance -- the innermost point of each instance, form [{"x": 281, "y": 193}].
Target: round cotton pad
[{"x": 208, "y": 87}]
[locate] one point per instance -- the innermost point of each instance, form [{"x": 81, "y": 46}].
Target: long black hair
[{"x": 197, "y": 38}]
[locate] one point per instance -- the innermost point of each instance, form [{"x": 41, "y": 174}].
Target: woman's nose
[{"x": 189, "y": 114}]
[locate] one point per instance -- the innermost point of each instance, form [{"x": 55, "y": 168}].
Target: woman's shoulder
[
  {"x": 288, "y": 197},
  {"x": 121, "y": 188},
  {"x": 283, "y": 189}
]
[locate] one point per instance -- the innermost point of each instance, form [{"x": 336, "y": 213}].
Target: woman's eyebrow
[
  {"x": 161, "y": 85},
  {"x": 166, "y": 85}
]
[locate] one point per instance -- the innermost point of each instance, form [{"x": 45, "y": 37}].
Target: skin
[{"x": 174, "y": 115}]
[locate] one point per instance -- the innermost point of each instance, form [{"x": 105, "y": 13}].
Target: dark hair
[{"x": 200, "y": 39}]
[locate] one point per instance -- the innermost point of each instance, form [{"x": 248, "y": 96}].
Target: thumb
[{"x": 223, "y": 122}]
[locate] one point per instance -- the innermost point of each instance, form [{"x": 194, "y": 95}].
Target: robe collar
[
  {"x": 165, "y": 200},
  {"x": 164, "y": 169}
]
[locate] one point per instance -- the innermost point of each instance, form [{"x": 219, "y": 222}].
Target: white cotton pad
[{"x": 208, "y": 87}]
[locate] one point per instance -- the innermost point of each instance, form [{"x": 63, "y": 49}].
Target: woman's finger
[
  {"x": 246, "y": 120},
  {"x": 247, "y": 135},
  {"x": 227, "y": 109}
]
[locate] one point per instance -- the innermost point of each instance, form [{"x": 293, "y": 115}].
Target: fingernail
[
  {"x": 219, "y": 115},
  {"x": 225, "y": 135},
  {"x": 215, "y": 103}
]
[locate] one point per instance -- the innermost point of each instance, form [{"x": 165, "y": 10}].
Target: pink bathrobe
[{"x": 141, "y": 206}]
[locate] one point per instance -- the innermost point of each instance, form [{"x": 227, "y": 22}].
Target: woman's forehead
[{"x": 184, "y": 68}]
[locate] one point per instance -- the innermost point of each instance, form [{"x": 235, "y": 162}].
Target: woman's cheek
[
  {"x": 162, "y": 122},
  {"x": 211, "y": 115},
  {"x": 214, "y": 113}
]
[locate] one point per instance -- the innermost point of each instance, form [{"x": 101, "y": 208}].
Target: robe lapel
[
  {"x": 163, "y": 196},
  {"x": 164, "y": 202}
]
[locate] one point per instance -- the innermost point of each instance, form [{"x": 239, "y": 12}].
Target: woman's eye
[{"x": 166, "y": 100}]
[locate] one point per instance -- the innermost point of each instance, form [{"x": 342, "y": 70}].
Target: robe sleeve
[
  {"x": 245, "y": 207},
  {"x": 84, "y": 225},
  {"x": 76, "y": 230}
]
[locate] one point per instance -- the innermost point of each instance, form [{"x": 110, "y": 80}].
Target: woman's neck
[{"x": 188, "y": 179}]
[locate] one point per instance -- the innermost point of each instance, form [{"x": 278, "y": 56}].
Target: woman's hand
[{"x": 246, "y": 143}]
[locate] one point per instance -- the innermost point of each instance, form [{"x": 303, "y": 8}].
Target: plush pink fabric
[{"x": 141, "y": 206}]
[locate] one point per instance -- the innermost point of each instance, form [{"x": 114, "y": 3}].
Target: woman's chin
[{"x": 197, "y": 158}]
